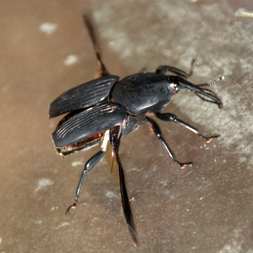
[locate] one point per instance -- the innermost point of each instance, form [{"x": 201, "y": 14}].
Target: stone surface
[{"x": 207, "y": 208}]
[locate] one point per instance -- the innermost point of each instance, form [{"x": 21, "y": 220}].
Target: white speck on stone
[
  {"x": 234, "y": 245},
  {"x": 155, "y": 168},
  {"x": 241, "y": 12},
  {"x": 70, "y": 59},
  {"x": 76, "y": 163},
  {"x": 1, "y": 240},
  {"x": 38, "y": 222},
  {"x": 53, "y": 208},
  {"x": 132, "y": 199},
  {"x": 136, "y": 169},
  {"x": 121, "y": 42},
  {"x": 164, "y": 182},
  {"x": 63, "y": 224},
  {"x": 43, "y": 184},
  {"x": 48, "y": 27},
  {"x": 167, "y": 53},
  {"x": 110, "y": 195},
  {"x": 172, "y": 196},
  {"x": 243, "y": 159}
]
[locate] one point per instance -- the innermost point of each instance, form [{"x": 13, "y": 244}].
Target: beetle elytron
[{"x": 103, "y": 110}]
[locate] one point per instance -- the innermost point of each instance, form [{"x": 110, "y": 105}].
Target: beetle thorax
[{"x": 141, "y": 95}]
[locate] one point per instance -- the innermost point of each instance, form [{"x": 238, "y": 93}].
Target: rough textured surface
[{"x": 207, "y": 208}]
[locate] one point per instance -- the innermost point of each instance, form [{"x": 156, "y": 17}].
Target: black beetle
[{"x": 103, "y": 110}]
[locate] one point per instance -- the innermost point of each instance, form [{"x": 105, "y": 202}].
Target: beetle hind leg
[
  {"x": 173, "y": 118},
  {"x": 101, "y": 68},
  {"x": 89, "y": 165},
  {"x": 115, "y": 136},
  {"x": 157, "y": 131}
]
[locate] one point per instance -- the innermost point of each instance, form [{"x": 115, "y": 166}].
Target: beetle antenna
[
  {"x": 102, "y": 70},
  {"x": 203, "y": 93}
]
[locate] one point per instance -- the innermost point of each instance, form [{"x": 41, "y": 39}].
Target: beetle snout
[
  {"x": 178, "y": 83},
  {"x": 204, "y": 94}
]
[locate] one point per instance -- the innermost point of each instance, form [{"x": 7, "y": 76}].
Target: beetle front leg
[
  {"x": 157, "y": 131},
  {"x": 173, "y": 118},
  {"x": 89, "y": 165},
  {"x": 163, "y": 69}
]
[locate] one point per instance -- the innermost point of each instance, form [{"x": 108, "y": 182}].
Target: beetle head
[{"x": 177, "y": 83}]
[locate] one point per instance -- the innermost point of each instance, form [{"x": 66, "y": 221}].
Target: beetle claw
[
  {"x": 185, "y": 165},
  {"x": 210, "y": 138},
  {"x": 72, "y": 206}
]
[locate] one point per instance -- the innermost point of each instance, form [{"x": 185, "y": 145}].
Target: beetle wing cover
[
  {"x": 83, "y": 95},
  {"x": 86, "y": 123}
]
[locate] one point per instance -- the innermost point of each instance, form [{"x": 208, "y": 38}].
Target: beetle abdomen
[{"x": 87, "y": 123}]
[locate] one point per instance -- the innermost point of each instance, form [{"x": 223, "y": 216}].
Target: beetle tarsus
[
  {"x": 184, "y": 165},
  {"x": 173, "y": 118},
  {"x": 72, "y": 206},
  {"x": 209, "y": 139}
]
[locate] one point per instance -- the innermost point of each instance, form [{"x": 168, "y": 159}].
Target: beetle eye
[{"x": 173, "y": 87}]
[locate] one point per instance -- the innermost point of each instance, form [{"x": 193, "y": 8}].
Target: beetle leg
[
  {"x": 101, "y": 68},
  {"x": 173, "y": 118},
  {"x": 205, "y": 85},
  {"x": 89, "y": 165},
  {"x": 157, "y": 131},
  {"x": 115, "y": 136},
  {"x": 163, "y": 69}
]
